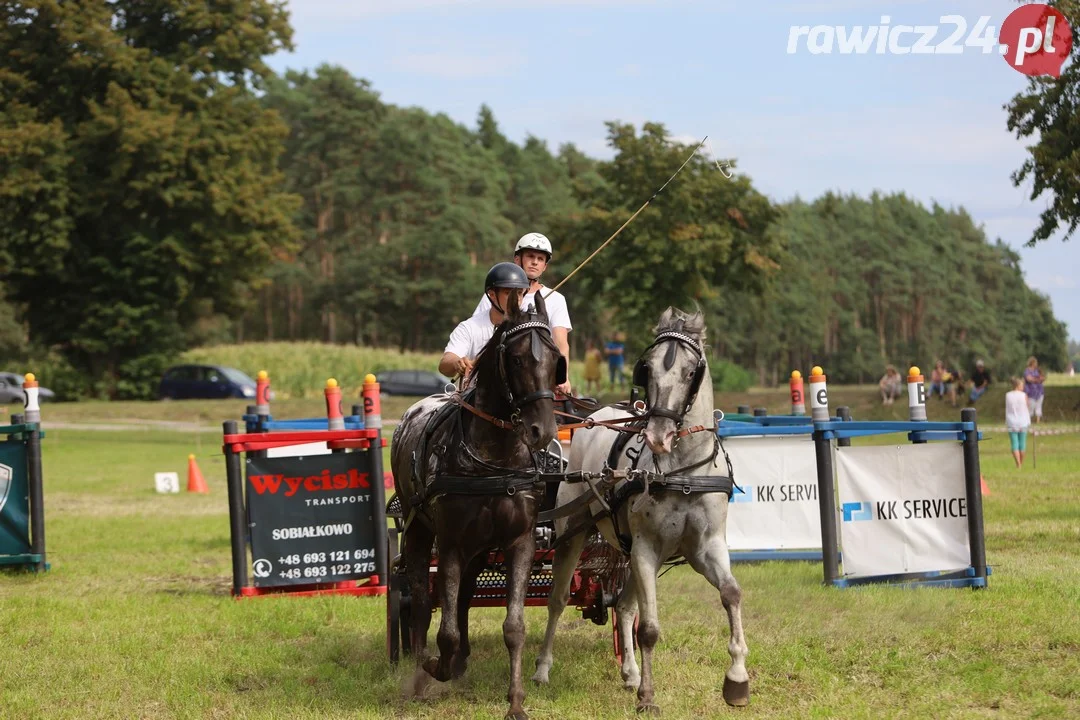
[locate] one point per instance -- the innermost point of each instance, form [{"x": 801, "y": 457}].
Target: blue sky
[{"x": 931, "y": 126}]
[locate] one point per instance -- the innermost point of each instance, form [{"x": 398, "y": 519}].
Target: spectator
[
  {"x": 890, "y": 384},
  {"x": 937, "y": 380},
  {"x": 1033, "y": 388},
  {"x": 593, "y": 358},
  {"x": 954, "y": 383},
  {"x": 980, "y": 380},
  {"x": 614, "y": 351},
  {"x": 1017, "y": 420}
]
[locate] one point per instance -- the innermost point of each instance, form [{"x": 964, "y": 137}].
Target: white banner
[
  {"x": 779, "y": 506},
  {"x": 903, "y": 509},
  {"x": 302, "y": 450}
]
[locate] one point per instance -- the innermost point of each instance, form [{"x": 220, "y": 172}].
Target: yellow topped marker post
[
  {"x": 916, "y": 392},
  {"x": 819, "y": 395},
  {"x": 798, "y": 398},
  {"x": 335, "y": 419}
]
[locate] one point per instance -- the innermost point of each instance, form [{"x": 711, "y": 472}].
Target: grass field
[{"x": 135, "y": 621}]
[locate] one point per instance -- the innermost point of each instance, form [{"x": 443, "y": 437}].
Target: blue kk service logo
[
  {"x": 855, "y": 511},
  {"x": 742, "y": 494}
]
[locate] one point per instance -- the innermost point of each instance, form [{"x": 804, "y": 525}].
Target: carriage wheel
[
  {"x": 393, "y": 621},
  {"x": 615, "y": 636},
  {"x": 398, "y": 614},
  {"x": 393, "y": 599}
]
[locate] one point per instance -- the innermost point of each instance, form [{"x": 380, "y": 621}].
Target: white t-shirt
[
  {"x": 470, "y": 337},
  {"x": 558, "y": 315},
  {"x": 1016, "y": 411}
]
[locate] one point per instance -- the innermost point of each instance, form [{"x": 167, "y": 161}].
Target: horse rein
[{"x": 534, "y": 327}]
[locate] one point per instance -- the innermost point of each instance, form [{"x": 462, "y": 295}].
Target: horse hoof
[
  {"x": 517, "y": 715},
  {"x": 540, "y": 678},
  {"x": 431, "y": 667},
  {"x": 631, "y": 685},
  {"x": 736, "y": 694},
  {"x": 649, "y": 708}
]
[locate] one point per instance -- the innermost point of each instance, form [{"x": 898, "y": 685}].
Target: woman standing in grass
[
  {"x": 1033, "y": 386},
  {"x": 1017, "y": 420}
]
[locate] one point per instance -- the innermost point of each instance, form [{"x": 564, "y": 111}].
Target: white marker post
[
  {"x": 30, "y": 399},
  {"x": 819, "y": 395},
  {"x": 916, "y": 392}
]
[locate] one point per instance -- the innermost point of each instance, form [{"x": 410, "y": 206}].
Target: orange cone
[
  {"x": 195, "y": 481},
  {"x": 985, "y": 487}
]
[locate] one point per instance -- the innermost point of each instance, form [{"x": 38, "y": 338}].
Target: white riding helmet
[{"x": 534, "y": 241}]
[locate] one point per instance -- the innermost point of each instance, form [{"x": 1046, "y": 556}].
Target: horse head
[
  {"x": 518, "y": 369},
  {"x": 672, "y": 370}
]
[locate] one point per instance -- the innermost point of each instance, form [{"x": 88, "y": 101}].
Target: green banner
[{"x": 14, "y": 499}]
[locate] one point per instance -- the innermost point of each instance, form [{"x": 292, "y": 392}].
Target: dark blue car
[{"x": 208, "y": 382}]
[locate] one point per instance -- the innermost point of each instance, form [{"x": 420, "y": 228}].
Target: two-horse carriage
[{"x": 489, "y": 514}]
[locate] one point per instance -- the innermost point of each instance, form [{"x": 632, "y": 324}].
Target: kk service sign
[{"x": 903, "y": 509}]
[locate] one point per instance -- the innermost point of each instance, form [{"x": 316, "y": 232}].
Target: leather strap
[{"x": 497, "y": 422}]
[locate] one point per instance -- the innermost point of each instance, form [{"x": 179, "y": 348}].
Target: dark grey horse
[{"x": 452, "y": 467}]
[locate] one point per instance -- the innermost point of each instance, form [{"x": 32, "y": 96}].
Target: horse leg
[
  {"x": 643, "y": 566},
  {"x": 468, "y": 588},
  {"x": 418, "y": 541},
  {"x": 713, "y": 562},
  {"x": 562, "y": 572},
  {"x": 449, "y": 637},
  {"x": 627, "y": 610},
  {"x": 519, "y": 562}
]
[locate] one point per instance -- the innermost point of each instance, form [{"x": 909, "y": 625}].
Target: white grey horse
[{"x": 660, "y": 523}]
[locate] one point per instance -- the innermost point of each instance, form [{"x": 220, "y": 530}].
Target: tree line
[{"x": 175, "y": 192}]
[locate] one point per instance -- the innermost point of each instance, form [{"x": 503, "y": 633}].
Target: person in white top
[
  {"x": 1017, "y": 420},
  {"x": 533, "y": 253},
  {"x": 471, "y": 335}
]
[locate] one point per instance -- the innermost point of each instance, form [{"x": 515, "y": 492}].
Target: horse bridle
[
  {"x": 641, "y": 371},
  {"x": 533, "y": 327}
]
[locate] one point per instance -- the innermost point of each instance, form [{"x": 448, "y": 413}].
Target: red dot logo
[{"x": 1036, "y": 39}]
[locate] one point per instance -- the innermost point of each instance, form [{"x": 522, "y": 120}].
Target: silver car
[{"x": 11, "y": 390}]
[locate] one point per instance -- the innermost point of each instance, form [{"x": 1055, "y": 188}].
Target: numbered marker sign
[{"x": 166, "y": 482}]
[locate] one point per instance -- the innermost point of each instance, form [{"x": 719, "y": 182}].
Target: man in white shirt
[
  {"x": 532, "y": 254},
  {"x": 471, "y": 335}
]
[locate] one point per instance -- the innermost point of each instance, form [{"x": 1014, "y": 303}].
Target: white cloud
[
  {"x": 1062, "y": 282},
  {"x": 451, "y": 64}
]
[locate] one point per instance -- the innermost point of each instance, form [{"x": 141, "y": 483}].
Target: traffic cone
[
  {"x": 985, "y": 487},
  {"x": 195, "y": 481}
]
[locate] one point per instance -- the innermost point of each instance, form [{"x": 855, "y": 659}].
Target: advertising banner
[
  {"x": 903, "y": 509},
  {"x": 14, "y": 499},
  {"x": 311, "y": 519},
  {"x": 778, "y": 506}
]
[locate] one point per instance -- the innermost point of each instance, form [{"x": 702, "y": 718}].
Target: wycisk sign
[{"x": 310, "y": 519}]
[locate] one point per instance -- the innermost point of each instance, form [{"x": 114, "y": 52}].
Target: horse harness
[
  {"x": 497, "y": 480},
  {"x": 610, "y": 487}
]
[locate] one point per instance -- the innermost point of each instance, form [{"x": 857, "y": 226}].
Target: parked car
[
  {"x": 411, "y": 382},
  {"x": 11, "y": 390},
  {"x": 207, "y": 382}
]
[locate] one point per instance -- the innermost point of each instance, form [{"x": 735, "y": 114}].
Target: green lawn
[{"x": 135, "y": 620}]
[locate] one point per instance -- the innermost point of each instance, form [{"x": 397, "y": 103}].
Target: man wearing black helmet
[
  {"x": 533, "y": 253},
  {"x": 471, "y": 335}
]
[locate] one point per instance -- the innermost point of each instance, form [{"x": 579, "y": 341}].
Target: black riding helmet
[{"x": 506, "y": 275}]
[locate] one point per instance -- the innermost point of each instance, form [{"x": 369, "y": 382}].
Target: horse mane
[{"x": 674, "y": 319}]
